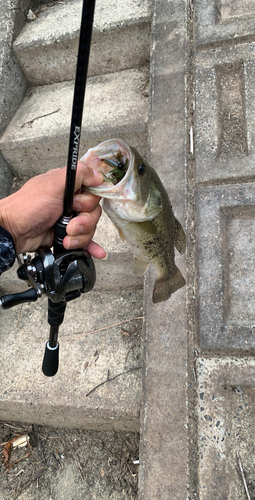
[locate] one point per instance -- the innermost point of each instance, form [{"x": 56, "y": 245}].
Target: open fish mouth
[{"x": 114, "y": 159}]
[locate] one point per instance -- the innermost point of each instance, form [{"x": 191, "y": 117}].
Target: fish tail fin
[{"x": 164, "y": 287}]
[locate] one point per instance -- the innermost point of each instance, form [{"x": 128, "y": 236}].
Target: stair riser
[
  {"x": 111, "y": 51},
  {"x": 37, "y": 138},
  {"x": 37, "y": 159}
]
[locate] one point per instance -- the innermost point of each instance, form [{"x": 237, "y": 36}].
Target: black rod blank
[
  {"x": 76, "y": 121},
  {"x": 78, "y": 101}
]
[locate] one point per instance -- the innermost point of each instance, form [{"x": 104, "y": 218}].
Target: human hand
[{"x": 30, "y": 214}]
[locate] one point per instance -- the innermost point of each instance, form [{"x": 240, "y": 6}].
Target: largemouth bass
[{"x": 137, "y": 203}]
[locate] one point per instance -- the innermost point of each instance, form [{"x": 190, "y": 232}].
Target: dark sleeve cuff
[{"x": 7, "y": 250}]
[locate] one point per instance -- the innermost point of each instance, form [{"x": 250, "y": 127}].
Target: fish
[{"x": 138, "y": 205}]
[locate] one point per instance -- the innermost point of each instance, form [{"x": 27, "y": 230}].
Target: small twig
[
  {"x": 37, "y": 118},
  {"x": 19, "y": 315},
  {"x": 113, "y": 378},
  {"x": 243, "y": 476},
  {"x": 79, "y": 335},
  {"x": 25, "y": 486},
  {"x": 101, "y": 329},
  {"x": 79, "y": 468},
  {"x": 129, "y": 350},
  {"x": 191, "y": 148}
]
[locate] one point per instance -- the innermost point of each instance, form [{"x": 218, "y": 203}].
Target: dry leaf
[
  {"x": 17, "y": 442},
  {"x": 125, "y": 332}
]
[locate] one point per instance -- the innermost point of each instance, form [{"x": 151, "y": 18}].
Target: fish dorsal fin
[
  {"x": 121, "y": 235},
  {"x": 180, "y": 238}
]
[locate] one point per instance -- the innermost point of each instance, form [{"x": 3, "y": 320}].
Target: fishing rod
[{"x": 62, "y": 275}]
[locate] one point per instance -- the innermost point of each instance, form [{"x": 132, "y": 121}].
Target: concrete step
[
  {"x": 47, "y": 47},
  {"x": 37, "y": 137},
  {"x": 115, "y": 106},
  {"x": 85, "y": 361}
]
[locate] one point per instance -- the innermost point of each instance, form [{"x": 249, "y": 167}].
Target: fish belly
[
  {"x": 152, "y": 242},
  {"x": 145, "y": 239}
]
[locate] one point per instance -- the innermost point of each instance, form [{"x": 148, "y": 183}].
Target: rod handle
[{"x": 50, "y": 360}]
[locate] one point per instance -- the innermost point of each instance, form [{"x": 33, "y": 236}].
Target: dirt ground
[{"x": 67, "y": 464}]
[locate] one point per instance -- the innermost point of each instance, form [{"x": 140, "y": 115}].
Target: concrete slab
[
  {"x": 225, "y": 100},
  {"x": 226, "y": 419},
  {"x": 37, "y": 137},
  {"x": 86, "y": 360},
  {"x": 224, "y": 22},
  {"x": 12, "y": 82},
  {"x": 225, "y": 256},
  {"x": 47, "y": 48},
  {"x": 5, "y": 179},
  {"x": 163, "y": 447}
]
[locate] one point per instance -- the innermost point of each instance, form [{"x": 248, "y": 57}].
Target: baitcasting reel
[{"x": 62, "y": 279}]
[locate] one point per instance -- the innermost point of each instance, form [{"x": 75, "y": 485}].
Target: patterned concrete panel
[
  {"x": 226, "y": 416},
  {"x": 224, "y": 21},
  {"x": 225, "y": 103},
  {"x": 226, "y": 263}
]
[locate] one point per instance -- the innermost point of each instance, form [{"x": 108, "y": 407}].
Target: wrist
[{"x": 5, "y": 219}]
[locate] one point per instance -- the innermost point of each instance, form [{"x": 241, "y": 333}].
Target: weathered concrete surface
[
  {"x": 5, "y": 178},
  {"x": 224, "y": 127},
  {"x": 47, "y": 48},
  {"x": 226, "y": 422},
  {"x": 115, "y": 105},
  {"x": 86, "y": 360},
  {"x": 163, "y": 447},
  {"x": 12, "y": 82},
  {"x": 225, "y": 100},
  {"x": 226, "y": 263},
  {"x": 224, "y": 22}
]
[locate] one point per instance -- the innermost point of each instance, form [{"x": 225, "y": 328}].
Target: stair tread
[
  {"x": 24, "y": 332},
  {"x": 108, "y": 15},
  {"x": 47, "y": 48}
]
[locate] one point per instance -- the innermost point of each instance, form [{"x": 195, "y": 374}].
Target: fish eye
[{"x": 141, "y": 169}]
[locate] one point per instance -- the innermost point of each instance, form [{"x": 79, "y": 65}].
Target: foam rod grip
[{"x": 50, "y": 360}]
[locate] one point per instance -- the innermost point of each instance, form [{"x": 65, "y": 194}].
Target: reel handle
[{"x": 14, "y": 299}]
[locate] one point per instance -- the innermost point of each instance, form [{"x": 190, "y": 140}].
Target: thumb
[{"x": 86, "y": 176}]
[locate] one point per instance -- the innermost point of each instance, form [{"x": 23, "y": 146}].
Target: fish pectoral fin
[
  {"x": 153, "y": 203},
  {"x": 180, "y": 237},
  {"x": 164, "y": 287},
  {"x": 121, "y": 235},
  {"x": 140, "y": 267},
  {"x": 148, "y": 227}
]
